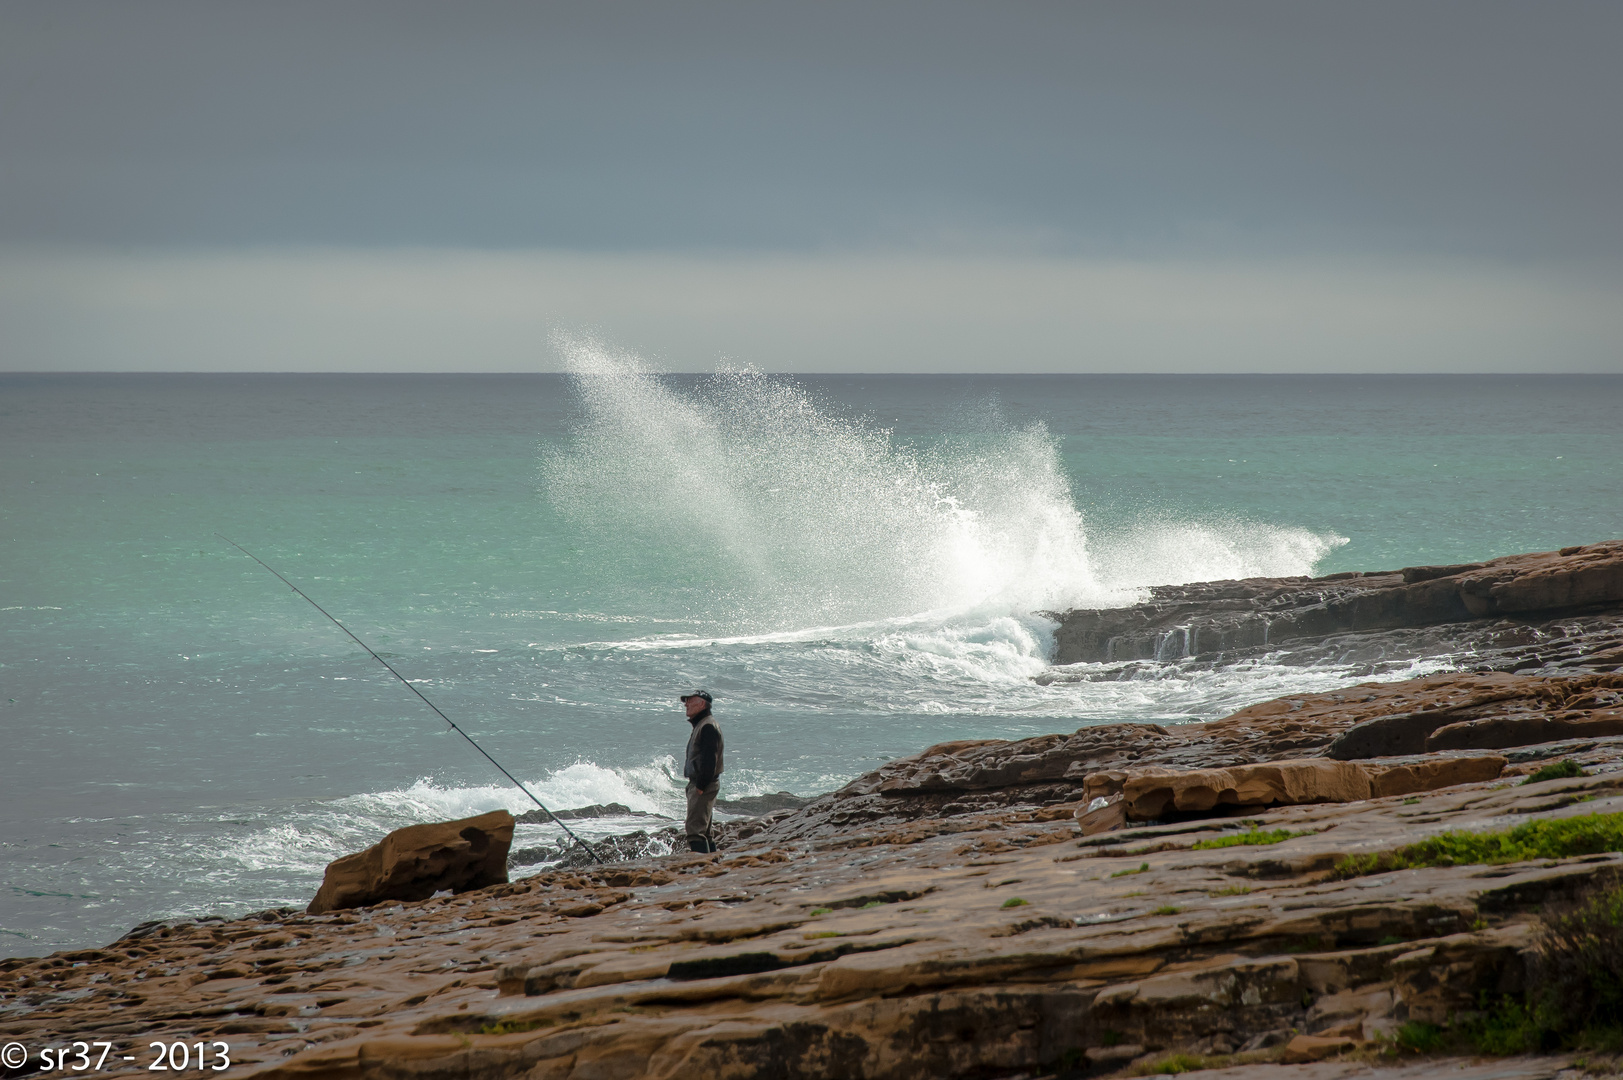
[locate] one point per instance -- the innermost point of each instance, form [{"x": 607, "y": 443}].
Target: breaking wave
[{"x": 791, "y": 514}]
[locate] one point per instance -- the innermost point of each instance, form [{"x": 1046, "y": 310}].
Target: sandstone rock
[
  {"x": 1589, "y": 576},
  {"x": 1153, "y": 793},
  {"x": 1354, "y": 723},
  {"x": 1489, "y": 712},
  {"x": 1502, "y": 732},
  {"x": 1305, "y": 1048},
  {"x": 418, "y": 861},
  {"x": 1266, "y": 613},
  {"x": 1433, "y": 774}
]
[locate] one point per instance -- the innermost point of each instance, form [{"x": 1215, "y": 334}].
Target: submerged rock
[
  {"x": 595, "y": 810},
  {"x": 418, "y": 861}
]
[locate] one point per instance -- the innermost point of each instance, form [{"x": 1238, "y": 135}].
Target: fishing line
[{"x": 419, "y": 693}]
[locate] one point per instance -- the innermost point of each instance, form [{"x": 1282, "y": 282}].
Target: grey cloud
[{"x": 1455, "y": 128}]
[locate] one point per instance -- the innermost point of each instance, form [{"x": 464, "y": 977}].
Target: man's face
[{"x": 695, "y": 706}]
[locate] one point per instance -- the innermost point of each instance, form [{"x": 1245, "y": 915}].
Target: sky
[{"x": 872, "y": 186}]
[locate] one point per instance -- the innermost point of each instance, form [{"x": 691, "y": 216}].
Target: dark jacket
[{"x": 703, "y": 762}]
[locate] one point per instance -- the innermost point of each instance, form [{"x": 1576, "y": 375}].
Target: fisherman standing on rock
[{"x": 702, "y": 767}]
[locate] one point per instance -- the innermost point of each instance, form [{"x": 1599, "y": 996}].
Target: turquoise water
[{"x": 852, "y": 564}]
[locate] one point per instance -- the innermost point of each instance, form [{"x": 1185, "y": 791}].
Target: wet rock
[
  {"x": 758, "y": 805},
  {"x": 564, "y": 852},
  {"x": 418, "y": 861},
  {"x": 596, "y": 810},
  {"x": 1230, "y": 619}
]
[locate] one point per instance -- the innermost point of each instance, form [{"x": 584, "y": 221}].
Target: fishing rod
[{"x": 419, "y": 693}]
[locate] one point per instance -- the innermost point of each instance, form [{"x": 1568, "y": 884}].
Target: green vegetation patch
[
  {"x": 1124, "y": 873},
  {"x": 1420, "y": 1038},
  {"x": 1560, "y": 770},
  {"x": 1576, "y": 975},
  {"x": 1174, "y": 1065},
  {"x": 1557, "y": 838},
  {"x": 1014, "y": 901},
  {"x": 1247, "y": 839},
  {"x": 1166, "y": 909},
  {"x": 1574, "y": 999},
  {"x": 510, "y": 1027}
]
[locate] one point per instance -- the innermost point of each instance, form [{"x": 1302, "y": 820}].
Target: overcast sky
[{"x": 871, "y": 186}]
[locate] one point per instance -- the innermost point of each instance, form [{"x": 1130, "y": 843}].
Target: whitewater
[{"x": 856, "y": 566}]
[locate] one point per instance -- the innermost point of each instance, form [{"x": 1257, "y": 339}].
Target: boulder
[
  {"x": 1432, "y": 774},
  {"x": 1152, "y": 793},
  {"x": 418, "y": 861}
]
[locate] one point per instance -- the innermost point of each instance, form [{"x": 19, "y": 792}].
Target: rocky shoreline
[{"x": 1229, "y": 896}]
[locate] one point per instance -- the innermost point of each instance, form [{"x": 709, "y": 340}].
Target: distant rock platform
[{"x": 1540, "y": 612}]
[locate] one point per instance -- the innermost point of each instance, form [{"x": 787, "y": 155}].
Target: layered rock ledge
[{"x": 1518, "y": 613}]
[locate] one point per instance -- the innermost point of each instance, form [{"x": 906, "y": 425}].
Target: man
[{"x": 702, "y": 766}]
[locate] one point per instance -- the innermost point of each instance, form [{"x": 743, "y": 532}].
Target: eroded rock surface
[
  {"x": 1150, "y": 794},
  {"x": 1010, "y": 947},
  {"x": 418, "y": 861},
  {"x": 1521, "y": 612},
  {"x": 933, "y": 789}
]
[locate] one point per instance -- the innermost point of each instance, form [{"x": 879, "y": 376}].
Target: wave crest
[{"x": 777, "y": 511}]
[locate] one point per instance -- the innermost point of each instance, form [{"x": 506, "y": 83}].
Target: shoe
[{"x": 699, "y": 844}]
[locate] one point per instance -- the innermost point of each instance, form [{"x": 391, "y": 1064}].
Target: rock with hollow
[{"x": 418, "y": 861}]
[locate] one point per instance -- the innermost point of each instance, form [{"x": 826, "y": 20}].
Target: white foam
[
  {"x": 1162, "y": 551},
  {"x": 810, "y": 517},
  {"x": 815, "y": 519},
  {"x": 311, "y": 836}
]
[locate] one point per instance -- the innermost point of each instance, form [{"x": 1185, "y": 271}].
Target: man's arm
[{"x": 705, "y": 757}]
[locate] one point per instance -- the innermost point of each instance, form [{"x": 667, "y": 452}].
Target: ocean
[{"x": 854, "y": 565}]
